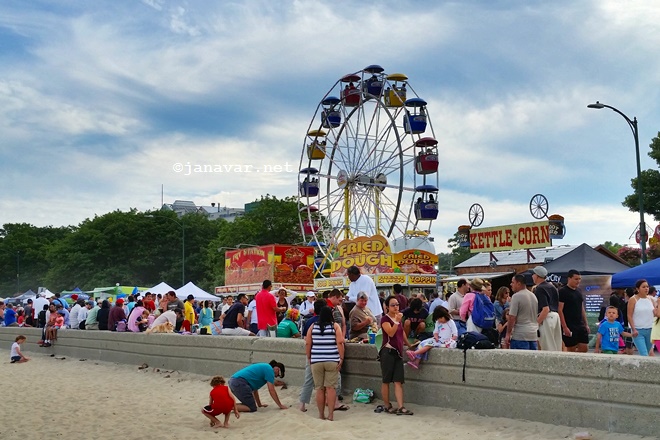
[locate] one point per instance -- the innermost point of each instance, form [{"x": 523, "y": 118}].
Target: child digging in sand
[
  {"x": 16, "y": 353},
  {"x": 445, "y": 334},
  {"x": 221, "y": 401}
]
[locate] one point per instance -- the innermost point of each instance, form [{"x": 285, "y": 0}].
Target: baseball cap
[
  {"x": 310, "y": 293},
  {"x": 120, "y": 302},
  {"x": 61, "y": 312},
  {"x": 540, "y": 271}
]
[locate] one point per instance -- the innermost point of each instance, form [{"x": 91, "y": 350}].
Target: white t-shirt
[
  {"x": 365, "y": 284},
  {"x": 14, "y": 349},
  {"x": 73, "y": 316},
  {"x": 168, "y": 316},
  {"x": 82, "y": 314},
  {"x": 307, "y": 308},
  {"x": 438, "y": 302},
  {"x": 445, "y": 331},
  {"x": 252, "y": 307}
]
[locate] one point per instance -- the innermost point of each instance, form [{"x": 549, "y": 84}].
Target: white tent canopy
[
  {"x": 161, "y": 288},
  {"x": 196, "y": 292}
]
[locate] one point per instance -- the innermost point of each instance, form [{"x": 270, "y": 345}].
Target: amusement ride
[{"x": 368, "y": 166}]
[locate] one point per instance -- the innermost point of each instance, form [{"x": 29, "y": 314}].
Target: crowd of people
[{"x": 547, "y": 317}]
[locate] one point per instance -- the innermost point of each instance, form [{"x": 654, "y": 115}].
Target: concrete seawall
[{"x": 614, "y": 393}]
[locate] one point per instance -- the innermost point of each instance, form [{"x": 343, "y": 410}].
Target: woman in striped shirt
[{"x": 325, "y": 353}]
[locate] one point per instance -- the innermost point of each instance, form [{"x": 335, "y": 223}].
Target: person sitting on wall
[
  {"x": 234, "y": 323},
  {"x": 170, "y": 317},
  {"x": 415, "y": 318},
  {"x": 288, "y": 327}
]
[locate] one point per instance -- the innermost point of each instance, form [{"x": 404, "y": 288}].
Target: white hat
[{"x": 310, "y": 293}]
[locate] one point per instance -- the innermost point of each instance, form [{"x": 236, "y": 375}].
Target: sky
[{"x": 102, "y": 102}]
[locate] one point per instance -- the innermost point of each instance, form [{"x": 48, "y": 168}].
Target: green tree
[
  {"x": 131, "y": 248},
  {"x": 612, "y": 247},
  {"x": 650, "y": 185},
  {"x": 458, "y": 253},
  {"x": 23, "y": 255}
]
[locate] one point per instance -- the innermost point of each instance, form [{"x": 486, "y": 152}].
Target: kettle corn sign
[{"x": 510, "y": 237}]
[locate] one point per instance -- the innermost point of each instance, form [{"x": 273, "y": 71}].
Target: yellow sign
[
  {"x": 328, "y": 283},
  {"x": 503, "y": 238},
  {"x": 374, "y": 256},
  {"x": 422, "y": 280},
  {"x": 391, "y": 279}
]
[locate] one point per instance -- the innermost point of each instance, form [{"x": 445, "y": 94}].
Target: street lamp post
[
  {"x": 640, "y": 200},
  {"x": 18, "y": 271},
  {"x": 183, "y": 245}
]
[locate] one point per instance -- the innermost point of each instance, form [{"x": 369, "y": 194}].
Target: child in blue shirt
[{"x": 609, "y": 333}]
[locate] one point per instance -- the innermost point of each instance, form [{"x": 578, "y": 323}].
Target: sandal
[
  {"x": 342, "y": 408},
  {"x": 381, "y": 408},
  {"x": 391, "y": 410},
  {"x": 414, "y": 365},
  {"x": 403, "y": 412}
]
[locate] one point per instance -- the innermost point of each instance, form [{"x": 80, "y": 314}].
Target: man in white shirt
[
  {"x": 307, "y": 307},
  {"x": 438, "y": 301},
  {"x": 73, "y": 315},
  {"x": 363, "y": 283},
  {"x": 252, "y": 316},
  {"x": 83, "y": 312}
]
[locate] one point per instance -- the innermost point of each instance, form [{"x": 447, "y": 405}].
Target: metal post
[{"x": 640, "y": 203}]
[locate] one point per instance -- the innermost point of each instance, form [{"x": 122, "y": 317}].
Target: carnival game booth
[{"x": 287, "y": 266}]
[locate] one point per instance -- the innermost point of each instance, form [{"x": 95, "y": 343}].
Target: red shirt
[
  {"x": 222, "y": 401},
  {"x": 149, "y": 305},
  {"x": 266, "y": 314}
]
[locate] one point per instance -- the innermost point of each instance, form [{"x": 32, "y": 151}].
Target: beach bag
[
  {"x": 121, "y": 326},
  {"x": 483, "y": 311},
  {"x": 363, "y": 395},
  {"x": 472, "y": 341}
]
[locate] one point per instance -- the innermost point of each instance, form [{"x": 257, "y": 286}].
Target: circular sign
[
  {"x": 342, "y": 179},
  {"x": 638, "y": 236}
]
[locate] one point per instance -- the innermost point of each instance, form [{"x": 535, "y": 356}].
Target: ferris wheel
[{"x": 369, "y": 163}]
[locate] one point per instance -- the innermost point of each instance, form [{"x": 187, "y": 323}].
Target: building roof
[{"x": 541, "y": 256}]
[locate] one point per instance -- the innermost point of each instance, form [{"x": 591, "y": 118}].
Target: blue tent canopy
[{"x": 649, "y": 271}]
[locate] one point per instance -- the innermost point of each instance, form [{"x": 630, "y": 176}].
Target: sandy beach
[{"x": 84, "y": 399}]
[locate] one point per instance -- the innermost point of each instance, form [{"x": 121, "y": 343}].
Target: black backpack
[{"x": 475, "y": 341}]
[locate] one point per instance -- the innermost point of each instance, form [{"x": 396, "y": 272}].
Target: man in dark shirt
[
  {"x": 415, "y": 318},
  {"x": 233, "y": 324},
  {"x": 548, "y": 318},
  {"x": 403, "y": 300},
  {"x": 573, "y": 315}
]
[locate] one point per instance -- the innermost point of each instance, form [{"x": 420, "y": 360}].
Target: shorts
[
  {"x": 391, "y": 365},
  {"x": 235, "y": 332},
  {"x": 208, "y": 409},
  {"x": 15, "y": 359},
  {"x": 243, "y": 392},
  {"x": 325, "y": 374},
  {"x": 610, "y": 352},
  {"x": 579, "y": 336}
]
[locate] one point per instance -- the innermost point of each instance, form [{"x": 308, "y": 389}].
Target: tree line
[{"x": 137, "y": 248}]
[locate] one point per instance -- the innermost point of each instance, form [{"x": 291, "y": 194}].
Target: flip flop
[
  {"x": 403, "y": 412},
  {"x": 379, "y": 409},
  {"x": 342, "y": 408},
  {"x": 414, "y": 365}
]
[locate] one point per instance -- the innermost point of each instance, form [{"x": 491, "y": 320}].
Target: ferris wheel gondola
[{"x": 374, "y": 154}]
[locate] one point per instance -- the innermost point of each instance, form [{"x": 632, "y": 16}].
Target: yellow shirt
[{"x": 189, "y": 312}]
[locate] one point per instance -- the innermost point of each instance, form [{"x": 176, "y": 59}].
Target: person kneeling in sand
[
  {"x": 245, "y": 385},
  {"x": 221, "y": 401},
  {"x": 16, "y": 354}
]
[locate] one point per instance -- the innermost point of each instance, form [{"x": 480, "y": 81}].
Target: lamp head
[{"x": 597, "y": 105}]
